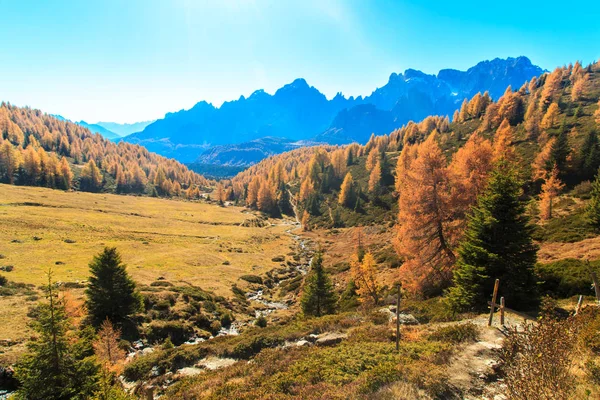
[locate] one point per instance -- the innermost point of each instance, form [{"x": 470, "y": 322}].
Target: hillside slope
[{"x": 37, "y": 149}]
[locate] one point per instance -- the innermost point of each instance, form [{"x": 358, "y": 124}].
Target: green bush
[
  {"x": 253, "y": 345},
  {"x": 456, "y": 333},
  {"x": 161, "y": 284},
  {"x": 566, "y": 278},
  {"x": 252, "y": 279},
  {"x": 261, "y": 322},
  {"x": 3, "y": 280},
  {"x": 178, "y": 332}
]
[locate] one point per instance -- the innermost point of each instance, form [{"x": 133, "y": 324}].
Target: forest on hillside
[{"x": 37, "y": 149}]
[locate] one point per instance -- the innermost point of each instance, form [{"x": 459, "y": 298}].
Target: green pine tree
[
  {"x": 349, "y": 299},
  {"x": 590, "y": 155},
  {"x": 593, "y": 208},
  {"x": 55, "y": 367},
  {"x": 111, "y": 293},
  {"x": 318, "y": 297},
  {"x": 497, "y": 245}
]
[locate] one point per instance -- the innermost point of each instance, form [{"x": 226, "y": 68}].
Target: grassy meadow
[{"x": 183, "y": 242}]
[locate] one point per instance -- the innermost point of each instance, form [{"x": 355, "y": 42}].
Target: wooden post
[
  {"x": 596, "y": 288},
  {"x": 149, "y": 393},
  {"x": 502, "y": 310},
  {"x": 493, "y": 305},
  {"x": 579, "y": 302},
  {"x": 398, "y": 321}
]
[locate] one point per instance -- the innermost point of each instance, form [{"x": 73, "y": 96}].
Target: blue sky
[{"x": 132, "y": 60}]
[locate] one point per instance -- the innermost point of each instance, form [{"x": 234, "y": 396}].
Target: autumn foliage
[{"x": 37, "y": 149}]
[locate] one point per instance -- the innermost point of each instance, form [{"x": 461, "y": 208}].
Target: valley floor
[{"x": 181, "y": 242}]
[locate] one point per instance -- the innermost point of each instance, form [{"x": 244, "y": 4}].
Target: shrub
[
  {"x": 178, "y": 332},
  {"x": 254, "y": 345},
  {"x": 226, "y": 320},
  {"x": 458, "y": 333},
  {"x": 215, "y": 327},
  {"x": 161, "y": 284},
  {"x": 583, "y": 190},
  {"x": 252, "y": 279},
  {"x": 3, "y": 280},
  {"x": 261, "y": 322},
  {"x": 566, "y": 278},
  {"x": 537, "y": 360}
]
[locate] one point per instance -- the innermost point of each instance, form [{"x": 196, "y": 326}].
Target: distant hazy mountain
[
  {"x": 298, "y": 111},
  {"x": 110, "y": 130},
  {"x": 95, "y": 128},
  {"x": 248, "y": 153},
  {"x": 125, "y": 129},
  {"x": 415, "y": 95}
]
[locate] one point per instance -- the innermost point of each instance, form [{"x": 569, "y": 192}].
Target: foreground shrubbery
[
  {"x": 354, "y": 369},
  {"x": 541, "y": 360}
]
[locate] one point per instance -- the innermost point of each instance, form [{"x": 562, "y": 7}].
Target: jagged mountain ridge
[{"x": 298, "y": 111}]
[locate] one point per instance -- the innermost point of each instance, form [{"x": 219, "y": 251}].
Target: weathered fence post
[
  {"x": 493, "y": 305},
  {"x": 398, "y": 320},
  {"x": 579, "y": 303},
  {"x": 502, "y": 311}
]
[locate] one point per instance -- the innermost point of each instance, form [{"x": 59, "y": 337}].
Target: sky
[{"x": 135, "y": 60}]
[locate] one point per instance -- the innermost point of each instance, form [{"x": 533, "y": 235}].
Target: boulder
[{"x": 330, "y": 338}]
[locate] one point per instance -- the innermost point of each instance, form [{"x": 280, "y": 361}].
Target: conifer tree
[
  {"x": 347, "y": 191},
  {"x": 318, "y": 297},
  {"x": 306, "y": 221},
  {"x": 550, "y": 189},
  {"x": 364, "y": 275},
  {"x": 111, "y": 293},
  {"x": 266, "y": 199},
  {"x": 65, "y": 173},
  {"x": 593, "y": 208},
  {"x": 52, "y": 367},
  {"x": 10, "y": 160},
  {"x": 349, "y": 298},
  {"x": 503, "y": 148},
  {"x": 91, "y": 178},
  {"x": 111, "y": 358},
  {"x": 375, "y": 180},
  {"x": 497, "y": 245},
  {"x": 551, "y": 117},
  {"x": 589, "y": 155}
]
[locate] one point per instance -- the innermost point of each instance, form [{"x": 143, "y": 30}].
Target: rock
[
  {"x": 147, "y": 350},
  {"x": 303, "y": 343},
  {"x": 330, "y": 339},
  {"x": 189, "y": 371},
  {"x": 213, "y": 363},
  {"x": 407, "y": 319}
]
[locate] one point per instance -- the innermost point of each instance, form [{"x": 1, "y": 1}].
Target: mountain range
[
  {"x": 111, "y": 130},
  {"x": 234, "y": 133}
]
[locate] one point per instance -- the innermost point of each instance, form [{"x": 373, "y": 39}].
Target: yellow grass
[{"x": 180, "y": 241}]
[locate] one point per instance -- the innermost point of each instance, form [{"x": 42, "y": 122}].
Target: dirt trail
[{"x": 471, "y": 369}]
